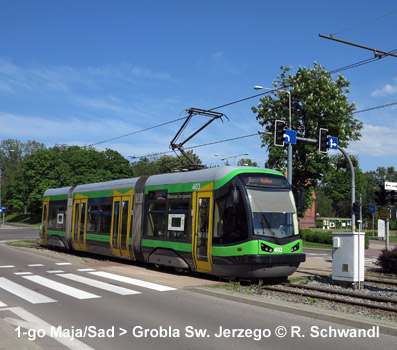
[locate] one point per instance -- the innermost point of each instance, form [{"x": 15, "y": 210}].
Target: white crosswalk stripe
[
  {"x": 23, "y": 292},
  {"x": 37, "y": 298},
  {"x": 98, "y": 284},
  {"x": 61, "y": 288},
  {"x": 133, "y": 281}
]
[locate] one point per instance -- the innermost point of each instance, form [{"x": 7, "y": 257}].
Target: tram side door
[
  {"x": 79, "y": 225},
  {"x": 44, "y": 221},
  {"x": 202, "y": 238},
  {"x": 121, "y": 225}
]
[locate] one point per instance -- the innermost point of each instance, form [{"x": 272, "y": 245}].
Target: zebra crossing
[{"x": 83, "y": 277}]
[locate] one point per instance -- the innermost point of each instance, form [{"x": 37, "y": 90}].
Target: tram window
[
  {"x": 55, "y": 211},
  {"x": 156, "y": 222},
  {"x": 179, "y": 226},
  {"x": 105, "y": 218},
  {"x": 230, "y": 221},
  {"x": 92, "y": 217}
]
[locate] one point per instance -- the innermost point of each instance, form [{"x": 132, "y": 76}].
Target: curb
[{"x": 385, "y": 327}]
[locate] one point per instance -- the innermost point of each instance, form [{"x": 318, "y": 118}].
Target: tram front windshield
[{"x": 273, "y": 212}]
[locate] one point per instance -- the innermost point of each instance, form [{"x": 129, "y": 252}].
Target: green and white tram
[{"x": 230, "y": 221}]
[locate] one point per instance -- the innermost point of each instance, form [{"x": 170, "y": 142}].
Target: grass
[
  {"x": 307, "y": 244},
  {"x": 24, "y": 243},
  {"x": 30, "y": 219}
]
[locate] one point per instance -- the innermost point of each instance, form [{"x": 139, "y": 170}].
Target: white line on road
[
  {"x": 63, "y": 263},
  {"x": 85, "y": 270},
  {"x": 133, "y": 281},
  {"x": 2, "y": 304},
  {"x": 55, "y": 271},
  {"x": 30, "y": 321},
  {"x": 35, "y": 265},
  {"x": 6, "y": 266},
  {"x": 62, "y": 288},
  {"x": 23, "y": 273},
  {"x": 98, "y": 284},
  {"x": 25, "y": 293}
]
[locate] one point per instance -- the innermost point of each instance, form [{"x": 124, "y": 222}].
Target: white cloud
[
  {"x": 225, "y": 64},
  {"x": 385, "y": 91},
  {"x": 63, "y": 78},
  {"x": 378, "y": 141}
]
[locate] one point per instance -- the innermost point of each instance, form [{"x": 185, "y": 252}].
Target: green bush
[
  {"x": 387, "y": 260},
  {"x": 324, "y": 237}
]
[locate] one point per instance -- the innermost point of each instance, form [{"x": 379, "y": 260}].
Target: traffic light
[
  {"x": 323, "y": 141},
  {"x": 381, "y": 196},
  {"x": 391, "y": 197},
  {"x": 279, "y": 131}
]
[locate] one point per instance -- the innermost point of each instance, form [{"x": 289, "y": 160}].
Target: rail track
[{"x": 342, "y": 296}]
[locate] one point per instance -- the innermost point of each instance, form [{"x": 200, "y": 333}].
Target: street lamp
[
  {"x": 289, "y": 164},
  {"x": 229, "y": 157}
]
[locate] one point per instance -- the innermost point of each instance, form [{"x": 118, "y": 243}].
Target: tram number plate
[{"x": 278, "y": 249}]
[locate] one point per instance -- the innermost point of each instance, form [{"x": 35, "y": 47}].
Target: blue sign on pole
[
  {"x": 332, "y": 142},
  {"x": 289, "y": 136},
  {"x": 372, "y": 208}
]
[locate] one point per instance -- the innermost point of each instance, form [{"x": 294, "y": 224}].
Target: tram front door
[{"x": 202, "y": 238}]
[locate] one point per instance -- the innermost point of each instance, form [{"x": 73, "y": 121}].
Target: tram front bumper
[{"x": 258, "y": 266}]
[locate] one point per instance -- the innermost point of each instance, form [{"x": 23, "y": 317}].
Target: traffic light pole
[
  {"x": 353, "y": 193},
  {"x": 346, "y": 155}
]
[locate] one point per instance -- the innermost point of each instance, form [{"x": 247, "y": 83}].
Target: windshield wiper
[{"x": 269, "y": 228}]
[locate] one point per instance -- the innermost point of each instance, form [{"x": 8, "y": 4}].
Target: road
[
  {"x": 19, "y": 232},
  {"x": 54, "y": 301}
]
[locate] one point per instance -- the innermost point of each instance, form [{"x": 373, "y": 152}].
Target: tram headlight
[
  {"x": 266, "y": 248},
  {"x": 295, "y": 247}
]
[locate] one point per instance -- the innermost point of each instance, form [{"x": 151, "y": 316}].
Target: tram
[{"x": 232, "y": 222}]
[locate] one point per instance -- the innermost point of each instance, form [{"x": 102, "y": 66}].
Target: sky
[{"x": 82, "y": 72}]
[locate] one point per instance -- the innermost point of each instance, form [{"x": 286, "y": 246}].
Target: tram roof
[
  {"x": 211, "y": 174},
  {"x": 204, "y": 175},
  {"x": 57, "y": 191},
  {"x": 107, "y": 186}
]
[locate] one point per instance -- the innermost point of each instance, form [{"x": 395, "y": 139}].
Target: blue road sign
[
  {"x": 372, "y": 208},
  {"x": 332, "y": 142},
  {"x": 290, "y": 136},
  {"x": 1, "y": 209}
]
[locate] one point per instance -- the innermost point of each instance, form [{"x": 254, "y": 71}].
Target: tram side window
[
  {"x": 93, "y": 216},
  {"x": 156, "y": 221},
  {"x": 230, "y": 221},
  {"x": 105, "y": 217},
  {"x": 56, "y": 215},
  {"x": 179, "y": 225}
]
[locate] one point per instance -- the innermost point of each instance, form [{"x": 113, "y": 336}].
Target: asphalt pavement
[{"x": 190, "y": 290}]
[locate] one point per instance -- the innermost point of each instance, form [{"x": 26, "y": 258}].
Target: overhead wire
[
  {"x": 249, "y": 135},
  {"x": 137, "y": 132},
  {"x": 363, "y": 23},
  {"x": 350, "y": 66}
]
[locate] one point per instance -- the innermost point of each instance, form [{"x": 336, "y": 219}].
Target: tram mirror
[
  {"x": 301, "y": 199},
  {"x": 299, "y": 196},
  {"x": 235, "y": 196}
]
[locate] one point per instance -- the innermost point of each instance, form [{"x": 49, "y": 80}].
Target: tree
[
  {"x": 12, "y": 154},
  {"x": 336, "y": 185},
  {"x": 162, "y": 165},
  {"x": 317, "y": 101},
  {"x": 247, "y": 162},
  {"x": 61, "y": 166}
]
